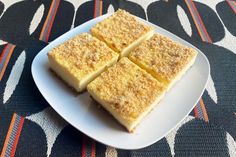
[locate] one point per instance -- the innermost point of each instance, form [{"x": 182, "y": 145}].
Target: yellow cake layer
[
  {"x": 163, "y": 58},
  {"x": 80, "y": 59},
  {"x": 127, "y": 92},
  {"x": 122, "y": 32}
]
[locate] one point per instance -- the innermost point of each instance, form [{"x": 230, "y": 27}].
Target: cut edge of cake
[
  {"x": 132, "y": 46},
  {"x": 125, "y": 51},
  {"x": 70, "y": 77},
  {"x": 129, "y": 125},
  {"x": 129, "y": 48},
  {"x": 78, "y": 85},
  {"x": 169, "y": 83}
]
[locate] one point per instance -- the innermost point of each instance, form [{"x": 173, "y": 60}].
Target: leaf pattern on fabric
[{"x": 44, "y": 133}]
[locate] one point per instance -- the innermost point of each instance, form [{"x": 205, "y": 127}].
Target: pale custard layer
[
  {"x": 79, "y": 60},
  {"x": 127, "y": 92},
  {"x": 165, "y": 59}
]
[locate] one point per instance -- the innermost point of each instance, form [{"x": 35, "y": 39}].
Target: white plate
[{"x": 83, "y": 114}]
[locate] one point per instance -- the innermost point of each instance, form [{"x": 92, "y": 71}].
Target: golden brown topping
[
  {"x": 120, "y": 30},
  {"x": 127, "y": 89},
  {"x": 162, "y": 56},
  {"x": 82, "y": 54}
]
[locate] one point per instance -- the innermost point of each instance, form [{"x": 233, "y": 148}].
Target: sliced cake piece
[
  {"x": 122, "y": 32},
  {"x": 127, "y": 92},
  {"x": 79, "y": 60},
  {"x": 165, "y": 59}
]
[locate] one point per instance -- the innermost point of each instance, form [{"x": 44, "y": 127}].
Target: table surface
[{"x": 30, "y": 127}]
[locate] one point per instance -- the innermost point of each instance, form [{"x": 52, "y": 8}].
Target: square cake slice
[
  {"x": 122, "y": 32},
  {"x": 127, "y": 92},
  {"x": 80, "y": 59},
  {"x": 165, "y": 59}
]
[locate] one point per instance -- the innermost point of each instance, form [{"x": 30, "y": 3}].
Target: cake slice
[
  {"x": 163, "y": 58},
  {"x": 122, "y": 32},
  {"x": 79, "y": 60},
  {"x": 127, "y": 92}
]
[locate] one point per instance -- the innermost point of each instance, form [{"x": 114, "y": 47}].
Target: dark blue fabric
[{"x": 195, "y": 138}]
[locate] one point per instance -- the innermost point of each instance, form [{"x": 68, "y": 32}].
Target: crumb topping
[
  {"x": 127, "y": 89},
  {"x": 82, "y": 54},
  {"x": 162, "y": 56},
  {"x": 120, "y": 30}
]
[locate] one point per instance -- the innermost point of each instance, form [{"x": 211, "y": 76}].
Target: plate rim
[{"x": 155, "y": 28}]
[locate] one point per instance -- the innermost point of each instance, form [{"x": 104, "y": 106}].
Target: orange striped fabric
[
  {"x": 232, "y": 5},
  {"x": 200, "y": 109},
  {"x": 84, "y": 146},
  {"x": 5, "y": 57},
  {"x": 198, "y": 21},
  {"x": 97, "y": 8},
  {"x": 13, "y": 134},
  {"x": 46, "y": 30},
  {"x": 3, "y": 53},
  {"x": 205, "y": 115},
  {"x": 195, "y": 110},
  {"x": 93, "y": 153},
  {"x": 88, "y": 147}
]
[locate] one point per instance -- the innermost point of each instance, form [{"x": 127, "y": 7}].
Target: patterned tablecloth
[{"x": 29, "y": 127}]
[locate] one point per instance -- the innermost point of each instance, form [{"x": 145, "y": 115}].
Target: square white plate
[{"x": 80, "y": 111}]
